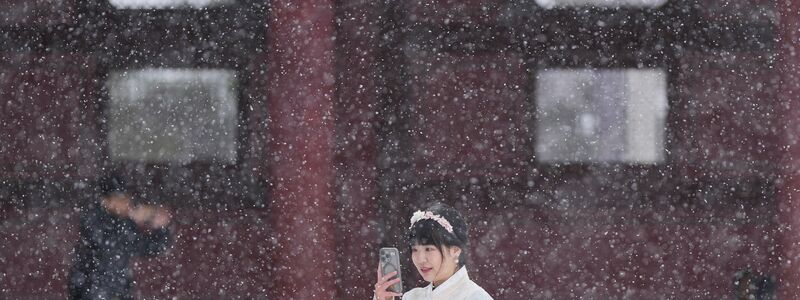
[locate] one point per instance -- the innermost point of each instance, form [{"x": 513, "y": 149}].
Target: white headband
[{"x": 426, "y": 215}]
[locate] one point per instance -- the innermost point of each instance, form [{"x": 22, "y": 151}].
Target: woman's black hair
[{"x": 429, "y": 232}]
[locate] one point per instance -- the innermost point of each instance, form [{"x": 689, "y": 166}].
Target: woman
[{"x": 439, "y": 240}]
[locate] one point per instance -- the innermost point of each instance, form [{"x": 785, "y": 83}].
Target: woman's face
[{"x": 432, "y": 265}]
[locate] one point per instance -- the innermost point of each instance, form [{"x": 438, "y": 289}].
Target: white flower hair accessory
[{"x": 426, "y": 215}]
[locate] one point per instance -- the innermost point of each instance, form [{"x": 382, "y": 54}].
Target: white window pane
[
  {"x": 161, "y": 4},
  {"x": 647, "y": 113},
  {"x": 586, "y": 115},
  {"x": 600, "y": 3},
  {"x": 173, "y": 115}
]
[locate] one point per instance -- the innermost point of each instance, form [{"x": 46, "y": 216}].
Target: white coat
[{"x": 457, "y": 287}]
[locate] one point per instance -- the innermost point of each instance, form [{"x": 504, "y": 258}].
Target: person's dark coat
[{"x": 101, "y": 268}]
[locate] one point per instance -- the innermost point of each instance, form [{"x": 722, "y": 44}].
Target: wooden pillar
[
  {"x": 357, "y": 105},
  {"x": 300, "y": 152},
  {"x": 789, "y": 187}
]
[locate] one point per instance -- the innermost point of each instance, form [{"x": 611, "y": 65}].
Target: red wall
[
  {"x": 300, "y": 156},
  {"x": 49, "y": 116},
  {"x": 789, "y": 92},
  {"x": 356, "y": 188},
  {"x": 37, "y": 12}
]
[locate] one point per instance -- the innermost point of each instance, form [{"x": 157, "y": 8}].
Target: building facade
[{"x": 599, "y": 150}]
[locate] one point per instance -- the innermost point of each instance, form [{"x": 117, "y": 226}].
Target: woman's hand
[{"x": 384, "y": 283}]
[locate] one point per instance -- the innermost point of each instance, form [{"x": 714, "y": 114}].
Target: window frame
[{"x": 130, "y": 39}]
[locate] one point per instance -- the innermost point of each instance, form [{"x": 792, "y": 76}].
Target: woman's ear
[{"x": 455, "y": 251}]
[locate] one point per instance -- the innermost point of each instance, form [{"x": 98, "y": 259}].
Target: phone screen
[{"x": 390, "y": 262}]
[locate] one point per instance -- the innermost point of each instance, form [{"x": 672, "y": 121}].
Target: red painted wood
[
  {"x": 37, "y": 12},
  {"x": 789, "y": 95},
  {"x": 468, "y": 115},
  {"x": 457, "y": 11},
  {"x": 357, "y": 191},
  {"x": 718, "y": 101},
  {"x": 49, "y": 117},
  {"x": 300, "y": 156}
]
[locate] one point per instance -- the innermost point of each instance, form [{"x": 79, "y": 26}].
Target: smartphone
[{"x": 390, "y": 262}]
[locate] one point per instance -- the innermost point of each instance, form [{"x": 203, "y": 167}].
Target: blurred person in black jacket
[{"x": 112, "y": 231}]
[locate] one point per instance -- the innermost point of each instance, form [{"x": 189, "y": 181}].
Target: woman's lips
[{"x": 425, "y": 270}]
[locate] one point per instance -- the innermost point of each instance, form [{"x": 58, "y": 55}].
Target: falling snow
[{"x": 599, "y": 149}]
